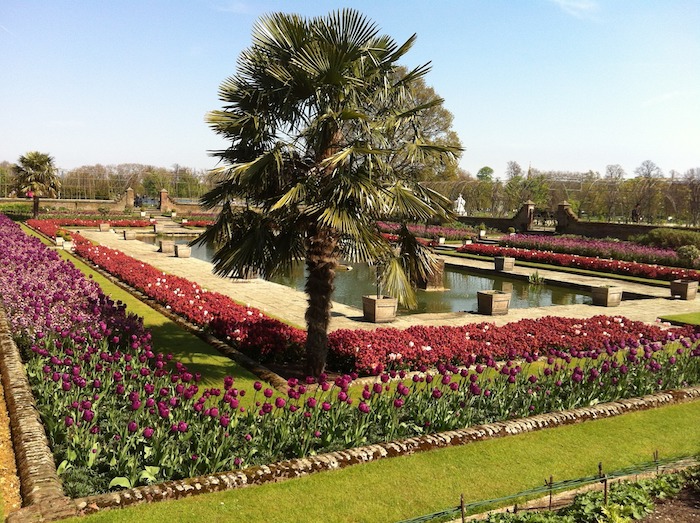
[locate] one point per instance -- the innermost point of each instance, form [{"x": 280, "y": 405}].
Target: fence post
[
  {"x": 550, "y": 484},
  {"x": 656, "y": 460},
  {"x": 604, "y": 480},
  {"x": 461, "y": 506}
]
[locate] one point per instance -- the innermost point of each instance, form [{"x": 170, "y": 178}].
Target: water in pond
[{"x": 460, "y": 285}]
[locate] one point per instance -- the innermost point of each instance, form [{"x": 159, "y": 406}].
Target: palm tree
[
  {"x": 312, "y": 117},
  {"x": 35, "y": 177}
]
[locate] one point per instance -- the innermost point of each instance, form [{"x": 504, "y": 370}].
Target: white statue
[{"x": 459, "y": 205}]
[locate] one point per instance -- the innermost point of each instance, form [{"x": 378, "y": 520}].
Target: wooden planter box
[
  {"x": 183, "y": 251},
  {"x": 129, "y": 235},
  {"x": 502, "y": 263},
  {"x": 606, "y": 296},
  {"x": 685, "y": 289},
  {"x": 104, "y": 227},
  {"x": 67, "y": 245},
  {"x": 167, "y": 246},
  {"x": 493, "y": 303},
  {"x": 382, "y": 310}
]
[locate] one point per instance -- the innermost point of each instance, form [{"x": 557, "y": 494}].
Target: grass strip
[
  {"x": 689, "y": 318},
  {"x": 410, "y": 486}
]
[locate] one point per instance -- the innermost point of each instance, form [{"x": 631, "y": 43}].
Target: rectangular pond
[{"x": 355, "y": 280}]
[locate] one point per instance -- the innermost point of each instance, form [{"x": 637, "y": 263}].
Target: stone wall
[{"x": 568, "y": 223}]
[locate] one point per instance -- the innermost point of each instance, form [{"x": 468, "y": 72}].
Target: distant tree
[
  {"x": 648, "y": 169},
  {"x": 6, "y": 178},
  {"x": 155, "y": 179},
  {"x": 648, "y": 188},
  {"x": 485, "y": 174},
  {"x": 513, "y": 169},
  {"x": 436, "y": 129},
  {"x": 614, "y": 176},
  {"x": 35, "y": 177},
  {"x": 692, "y": 180}
]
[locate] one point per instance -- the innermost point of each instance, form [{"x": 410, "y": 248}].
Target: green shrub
[
  {"x": 668, "y": 238},
  {"x": 689, "y": 254}
]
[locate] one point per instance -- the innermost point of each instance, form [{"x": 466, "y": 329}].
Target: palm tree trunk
[
  {"x": 35, "y": 209},
  {"x": 321, "y": 262}
]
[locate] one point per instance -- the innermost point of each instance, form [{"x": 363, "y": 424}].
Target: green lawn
[
  {"x": 410, "y": 486},
  {"x": 690, "y": 318}
]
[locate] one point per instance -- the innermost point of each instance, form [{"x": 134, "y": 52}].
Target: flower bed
[
  {"x": 118, "y": 414},
  {"x": 641, "y": 270},
  {"x": 617, "y": 250},
  {"x": 51, "y": 227},
  {"x": 257, "y": 335},
  {"x": 367, "y": 352},
  {"x": 430, "y": 231}
]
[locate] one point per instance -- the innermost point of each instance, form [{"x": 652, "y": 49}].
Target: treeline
[
  {"x": 648, "y": 197},
  {"x": 108, "y": 182}
]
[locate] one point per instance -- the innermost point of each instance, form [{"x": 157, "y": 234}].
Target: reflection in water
[{"x": 459, "y": 294}]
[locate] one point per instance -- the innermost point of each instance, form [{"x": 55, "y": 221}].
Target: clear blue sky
[{"x": 557, "y": 84}]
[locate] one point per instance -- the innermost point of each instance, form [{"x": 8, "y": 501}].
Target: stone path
[{"x": 289, "y": 305}]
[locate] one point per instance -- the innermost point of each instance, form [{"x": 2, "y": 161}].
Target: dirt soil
[
  {"x": 685, "y": 508},
  {"x": 9, "y": 482}
]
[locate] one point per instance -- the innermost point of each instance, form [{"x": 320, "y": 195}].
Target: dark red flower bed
[
  {"x": 254, "y": 333},
  {"x": 642, "y": 270},
  {"x": 50, "y": 227},
  {"x": 370, "y": 352}
]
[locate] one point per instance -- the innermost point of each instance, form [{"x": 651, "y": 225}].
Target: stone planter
[
  {"x": 493, "y": 303},
  {"x": 184, "y": 221},
  {"x": 684, "y": 289},
  {"x": 482, "y": 234},
  {"x": 59, "y": 241},
  {"x": 67, "y": 245},
  {"x": 606, "y": 296},
  {"x": 441, "y": 240},
  {"x": 379, "y": 310},
  {"x": 167, "y": 246},
  {"x": 129, "y": 235},
  {"x": 183, "y": 251},
  {"x": 503, "y": 263},
  {"x": 143, "y": 214},
  {"x": 466, "y": 242},
  {"x": 173, "y": 214},
  {"x": 104, "y": 227}
]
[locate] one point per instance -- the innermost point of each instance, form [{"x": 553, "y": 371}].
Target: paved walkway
[{"x": 289, "y": 305}]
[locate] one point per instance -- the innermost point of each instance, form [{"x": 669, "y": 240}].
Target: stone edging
[{"x": 40, "y": 488}]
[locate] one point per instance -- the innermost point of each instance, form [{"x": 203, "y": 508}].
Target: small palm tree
[
  {"x": 35, "y": 177},
  {"x": 312, "y": 117}
]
